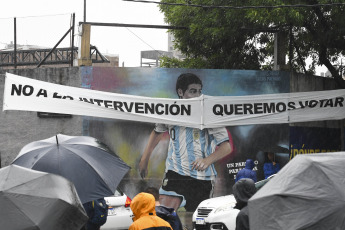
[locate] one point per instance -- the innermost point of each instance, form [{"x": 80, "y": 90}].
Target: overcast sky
[{"x": 44, "y": 22}]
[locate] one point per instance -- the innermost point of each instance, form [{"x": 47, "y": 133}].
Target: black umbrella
[
  {"x": 30, "y": 199},
  {"x": 276, "y": 149},
  {"x": 88, "y": 163}
]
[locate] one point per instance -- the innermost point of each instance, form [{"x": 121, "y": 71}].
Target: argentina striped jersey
[{"x": 187, "y": 144}]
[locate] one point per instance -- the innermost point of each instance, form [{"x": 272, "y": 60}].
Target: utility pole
[
  {"x": 280, "y": 41},
  {"x": 84, "y": 55},
  {"x": 72, "y": 39},
  {"x": 15, "y": 43}
]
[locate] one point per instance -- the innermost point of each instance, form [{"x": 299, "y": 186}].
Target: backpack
[
  {"x": 170, "y": 216},
  {"x": 100, "y": 212}
]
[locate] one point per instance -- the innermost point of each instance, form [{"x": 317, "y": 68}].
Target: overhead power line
[
  {"x": 37, "y": 16},
  {"x": 239, "y": 7},
  {"x": 144, "y": 41}
]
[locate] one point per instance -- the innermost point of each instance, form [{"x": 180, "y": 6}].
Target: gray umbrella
[
  {"x": 94, "y": 170},
  {"x": 31, "y": 199},
  {"x": 308, "y": 193}
]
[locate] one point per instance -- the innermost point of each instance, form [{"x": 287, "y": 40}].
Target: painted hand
[
  {"x": 143, "y": 169},
  {"x": 200, "y": 164}
]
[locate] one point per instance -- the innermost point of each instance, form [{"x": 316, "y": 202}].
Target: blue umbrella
[{"x": 94, "y": 170}]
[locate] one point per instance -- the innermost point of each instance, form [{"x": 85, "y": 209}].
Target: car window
[{"x": 118, "y": 193}]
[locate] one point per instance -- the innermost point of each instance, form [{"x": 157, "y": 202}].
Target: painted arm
[
  {"x": 203, "y": 163},
  {"x": 154, "y": 139}
]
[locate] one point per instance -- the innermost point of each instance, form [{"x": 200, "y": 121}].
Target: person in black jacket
[
  {"x": 243, "y": 190},
  {"x": 97, "y": 211}
]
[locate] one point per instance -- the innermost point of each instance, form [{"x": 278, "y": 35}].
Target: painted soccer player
[{"x": 189, "y": 170}]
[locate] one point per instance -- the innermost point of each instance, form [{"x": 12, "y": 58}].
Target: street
[{"x": 186, "y": 219}]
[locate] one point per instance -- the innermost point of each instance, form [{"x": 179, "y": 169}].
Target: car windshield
[{"x": 117, "y": 193}]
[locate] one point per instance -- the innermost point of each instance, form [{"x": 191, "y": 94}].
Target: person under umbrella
[
  {"x": 243, "y": 190},
  {"x": 271, "y": 166}
]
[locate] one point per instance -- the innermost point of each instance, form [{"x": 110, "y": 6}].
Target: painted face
[{"x": 193, "y": 90}]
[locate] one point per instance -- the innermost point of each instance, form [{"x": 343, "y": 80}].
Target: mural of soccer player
[{"x": 189, "y": 169}]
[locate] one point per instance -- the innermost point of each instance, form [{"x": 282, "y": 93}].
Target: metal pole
[
  {"x": 72, "y": 45},
  {"x": 84, "y": 10},
  {"x": 135, "y": 25},
  {"x": 51, "y": 51},
  {"x": 15, "y": 43}
]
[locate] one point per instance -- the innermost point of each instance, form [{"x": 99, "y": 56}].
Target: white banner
[{"x": 23, "y": 93}]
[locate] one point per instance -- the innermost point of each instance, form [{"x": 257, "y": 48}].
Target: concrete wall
[
  {"x": 305, "y": 83},
  {"x": 18, "y": 128}
]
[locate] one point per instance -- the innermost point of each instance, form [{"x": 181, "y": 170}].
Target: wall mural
[
  {"x": 310, "y": 140},
  {"x": 129, "y": 139}
]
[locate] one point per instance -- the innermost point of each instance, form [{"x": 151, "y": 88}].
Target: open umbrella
[
  {"x": 31, "y": 199},
  {"x": 276, "y": 149},
  {"x": 94, "y": 170},
  {"x": 308, "y": 193}
]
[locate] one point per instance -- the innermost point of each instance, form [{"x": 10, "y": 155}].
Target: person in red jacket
[{"x": 143, "y": 207}]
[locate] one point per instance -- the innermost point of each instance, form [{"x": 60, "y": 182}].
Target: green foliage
[
  {"x": 194, "y": 63},
  {"x": 239, "y": 38}
]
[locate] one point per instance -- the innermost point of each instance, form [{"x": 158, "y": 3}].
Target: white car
[
  {"x": 216, "y": 213},
  {"x": 219, "y": 213},
  {"x": 119, "y": 212}
]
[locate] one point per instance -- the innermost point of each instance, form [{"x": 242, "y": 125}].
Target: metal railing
[{"x": 57, "y": 56}]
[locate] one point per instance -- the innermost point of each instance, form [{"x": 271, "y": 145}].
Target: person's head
[
  {"x": 243, "y": 190},
  {"x": 188, "y": 85},
  {"x": 250, "y": 164},
  {"x": 143, "y": 204},
  {"x": 154, "y": 191},
  {"x": 270, "y": 156}
]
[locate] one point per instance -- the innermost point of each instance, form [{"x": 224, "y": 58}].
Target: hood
[
  {"x": 216, "y": 202},
  {"x": 166, "y": 211},
  {"x": 243, "y": 190},
  {"x": 249, "y": 164},
  {"x": 143, "y": 204}
]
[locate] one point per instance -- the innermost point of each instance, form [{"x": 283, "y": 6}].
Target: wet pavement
[{"x": 186, "y": 219}]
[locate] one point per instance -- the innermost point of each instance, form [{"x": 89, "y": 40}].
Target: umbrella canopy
[
  {"x": 308, "y": 193},
  {"x": 31, "y": 199},
  {"x": 94, "y": 170},
  {"x": 277, "y": 149}
]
